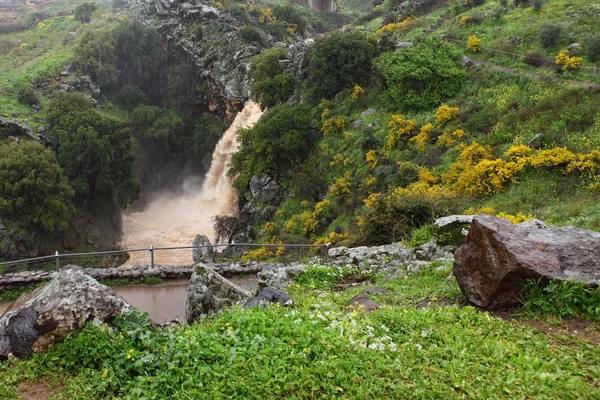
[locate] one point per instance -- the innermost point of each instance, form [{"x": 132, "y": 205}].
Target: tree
[
  {"x": 422, "y": 76},
  {"x": 339, "y": 60},
  {"x": 283, "y": 137},
  {"x": 269, "y": 84},
  {"x": 94, "y": 151},
  {"x": 33, "y": 189},
  {"x": 550, "y": 35},
  {"x": 84, "y": 12},
  {"x": 131, "y": 96},
  {"x": 95, "y": 56}
]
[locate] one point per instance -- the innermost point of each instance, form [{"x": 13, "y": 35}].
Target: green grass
[{"x": 315, "y": 350}]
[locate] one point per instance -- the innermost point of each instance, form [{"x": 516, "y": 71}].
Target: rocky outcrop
[
  {"x": 63, "y": 306},
  {"x": 270, "y": 296},
  {"x": 362, "y": 302},
  {"x": 209, "y": 292},
  {"x": 17, "y": 131},
  {"x": 319, "y": 5},
  {"x": 451, "y": 230},
  {"x": 279, "y": 278},
  {"x": 389, "y": 258},
  {"x": 202, "y": 253},
  {"x": 497, "y": 258}
]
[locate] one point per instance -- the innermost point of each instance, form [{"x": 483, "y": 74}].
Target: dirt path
[{"x": 496, "y": 67}]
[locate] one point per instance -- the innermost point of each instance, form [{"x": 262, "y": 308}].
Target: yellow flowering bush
[
  {"x": 567, "y": 62},
  {"x": 340, "y": 160},
  {"x": 371, "y": 199},
  {"x": 465, "y": 20},
  {"x": 342, "y": 186},
  {"x": 41, "y": 26},
  {"x": 371, "y": 157},
  {"x": 517, "y": 152},
  {"x": 515, "y": 219},
  {"x": 400, "y": 129},
  {"x": 268, "y": 227},
  {"x": 449, "y": 138},
  {"x": 444, "y": 114},
  {"x": 367, "y": 182},
  {"x": 357, "y": 92},
  {"x": 333, "y": 238},
  {"x": 474, "y": 44},
  {"x": 421, "y": 138},
  {"x": 333, "y": 125}
]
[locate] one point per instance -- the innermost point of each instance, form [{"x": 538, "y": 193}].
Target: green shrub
[
  {"x": 422, "y": 76},
  {"x": 337, "y": 61},
  {"x": 291, "y": 15},
  {"x": 130, "y": 97},
  {"x": 250, "y": 34},
  {"x": 566, "y": 299},
  {"x": 592, "y": 47},
  {"x": 34, "y": 191},
  {"x": 28, "y": 96},
  {"x": 550, "y": 35},
  {"x": 84, "y": 12},
  {"x": 283, "y": 137},
  {"x": 95, "y": 56},
  {"x": 420, "y": 236},
  {"x": 269, "y": 84}
]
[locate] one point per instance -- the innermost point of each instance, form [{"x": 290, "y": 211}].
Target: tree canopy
[
  {"x": 422, "y": 76},
  {"x": 95, "y": 56},
  {"x": 281, "y": 138},
  {"x": 339, "y": 60},
  {"x": 269, "y": 84},
  {"x": 33, "y": 189}
]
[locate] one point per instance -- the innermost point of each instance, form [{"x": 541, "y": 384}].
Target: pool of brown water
[{"x": 164, "y": 301}]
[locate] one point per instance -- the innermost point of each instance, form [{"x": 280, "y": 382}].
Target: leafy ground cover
[{"x": 317, "y": 350}]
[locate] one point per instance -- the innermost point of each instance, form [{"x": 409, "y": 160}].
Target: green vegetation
[
  {"x": 414, "y": 347},
  {"x": 269, "y": 84},
  {"x": 84, "y": 12},
  {"x": 561, "y": 299},
  {"x": 34, "y": 191}
]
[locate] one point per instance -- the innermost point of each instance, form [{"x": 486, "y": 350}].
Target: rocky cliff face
[{"x": 319, "y": 5}]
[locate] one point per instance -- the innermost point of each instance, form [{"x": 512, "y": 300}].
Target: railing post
[
  {"x": 234, "y": 251},
  {"x": 151, "y": 256},
  {"x": 57, "y": 261}
]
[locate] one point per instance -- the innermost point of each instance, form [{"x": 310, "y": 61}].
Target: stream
[{"x": 164, "y": 301}]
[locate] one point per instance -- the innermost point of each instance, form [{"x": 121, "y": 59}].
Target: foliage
[
  {"x": 474, "y": 44},
  {"x": 401, "y": 130},
  {"x": 422, "y": 76},
  {"x": 95, "y": 56},
  {"x": 27, "y": 95},
  {"x": 550, "y": 35},
  {"x": 337, "y": 61},
  {"x": 84, "y": 11},
  {"x": 567, "y": 62},
  {"x": 94, "y": 151},
  {"x": 269, "y": 84},
  {"x": 565, "y": 299},
  {"x": 250, "y": 34},
  {"x": 281, "y": 138},
  {"x": 33, "y": 190},
  {"x": 130, "y": 97},
  {"x": 592, "y": 47},
  {"x": 444, "y": 114}
]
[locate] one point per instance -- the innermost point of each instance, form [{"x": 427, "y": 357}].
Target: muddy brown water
[{"x": 164, "y": 301}]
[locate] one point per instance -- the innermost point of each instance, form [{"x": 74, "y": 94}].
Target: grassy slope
[{"x": 317, "y": 351}]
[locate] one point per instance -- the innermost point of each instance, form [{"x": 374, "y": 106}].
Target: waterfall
[{"x": 175, "y": 219}]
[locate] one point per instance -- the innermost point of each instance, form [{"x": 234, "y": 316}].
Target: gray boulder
[
  {"x": 278, "y": 278},
  {"x": 209, "y": 293},
  {"x": 497, "y": 259},
  {"x": 200, "y": 253},
  {"x": 367, "y": 112},
  {"x": 451, "y": 230},
  {"x": 362, "y": 301},
  {"x": 270, "y": 296},
  {"x": 264, "y": 189},
  {"x": 61, "y": 307}
]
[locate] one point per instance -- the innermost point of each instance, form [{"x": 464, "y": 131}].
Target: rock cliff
[{"x": 319, "y": 5}]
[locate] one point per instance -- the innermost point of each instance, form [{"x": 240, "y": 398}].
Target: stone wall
[{"x": 319, "y": 5}]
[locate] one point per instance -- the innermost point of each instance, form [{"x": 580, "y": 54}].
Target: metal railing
[{"x": 175, "y": 256}]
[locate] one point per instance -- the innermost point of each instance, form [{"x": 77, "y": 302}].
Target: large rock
[
  {"x": 201, "y": 253},
  {"x": 270, "y": 296},
  {"x": 497, "y": 258},
  {"x": 264, "y": 189},
  {"x": 51, "y": 312},
  {"x": 278, "y": 278},
  {"x": 209, "y": 292}
]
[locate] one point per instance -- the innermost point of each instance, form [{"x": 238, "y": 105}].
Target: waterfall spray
[{"x": 175, "y": 220}]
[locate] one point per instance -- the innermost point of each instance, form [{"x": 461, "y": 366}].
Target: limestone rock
[
  {"x": 264, "y": 189},
  {"x": 202, "y": 254},
  {"x": 209, "y": 292},
  {"x": 451, "y": 230},
  {"x": 270, "y": 296},
  {"x": 367, "y": 112},
  {"x": 278, "y": 278},
  {"x": 497, "y": 258},
  {"x": 61, "y": 307}
]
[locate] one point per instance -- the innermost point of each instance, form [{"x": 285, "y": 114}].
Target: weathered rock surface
[
  {"x": 202, "y": 254},
  {"x": 451, "y": 230},
  {"x": 320, "y": 5},
  {"x": 362, "y": 301},
  {"x": 209, "y": 292},
  {"x": 278, "y": 278},
  {"x": 270, "y": 296},
  {"x": 497, "y": 258},
  {"x": 51, "y": 312}
]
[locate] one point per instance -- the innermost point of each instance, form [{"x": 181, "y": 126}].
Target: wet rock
[
  {"x": 209, "y": 293},
  {"x": 270, "y": 296},
  {"x": 279, "y": 278},
  {"x": 466, "y": 62},
  {"x": 403, "y": 45},
  {"x": 574, "y": 48},
  {"x": 367, "y": 112},
  {"x": 497, "y": 258},
  {"x": 201, "y": 253},
  {"x": 51, "y": 312},
  {"x": 264, "y": 189},
  {"x": 451, "y": 230},
  {"x": 362, "y": 301},
  {"x": 536, "y": 141}
]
